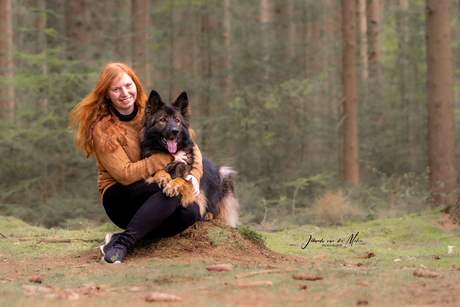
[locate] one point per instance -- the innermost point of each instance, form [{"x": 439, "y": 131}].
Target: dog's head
[{"x": 164, "y": 124}]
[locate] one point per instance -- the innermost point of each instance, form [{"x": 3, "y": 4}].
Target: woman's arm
[
  {"x": 123, "y": 170},
  {"x": 120, "y": 167},
  {"x": 197, "y": 166}
]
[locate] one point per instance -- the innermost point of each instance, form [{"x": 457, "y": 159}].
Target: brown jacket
[{"x": 125, "y": 166}]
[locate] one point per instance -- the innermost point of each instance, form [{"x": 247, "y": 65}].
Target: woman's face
[{"x": 123, "y": 93}]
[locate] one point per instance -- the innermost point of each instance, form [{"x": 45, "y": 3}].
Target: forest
[{"x": 330, "y": 111}]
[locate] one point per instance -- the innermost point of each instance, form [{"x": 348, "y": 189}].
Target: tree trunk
[
  {"x": 139, "y": 38},
  {"x": 6, "y": 61},
  {"x": 228, "y": 57},
  {"x": 350, "y": 109},
  {"x": 292, "y": 30},
  {"x": 441, "y": 143},
  {"x": 205, "y": 75},
  {"x": 183, "y": 46},
  {"x": 41, "y": 46},
  {"x": 362, "y": 18},
  {"x": 123, "y": 26},
  {"x": 75, "y": 28},
  {"x": 454, "y": 213},
  {"x": 267, "y": 15},
  {"x": 374, "y": 38},
  {"x": 406, "y": 91}
]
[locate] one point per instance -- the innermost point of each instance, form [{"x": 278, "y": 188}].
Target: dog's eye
[
  {"x": 162, "y": 120},
  {"x": 177, "y": 120}
]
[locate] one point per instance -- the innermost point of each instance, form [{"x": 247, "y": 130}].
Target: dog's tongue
[{"x": 172, "y": 146}]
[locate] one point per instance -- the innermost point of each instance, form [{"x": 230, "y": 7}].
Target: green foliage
[{"x": 251, "y": 235}]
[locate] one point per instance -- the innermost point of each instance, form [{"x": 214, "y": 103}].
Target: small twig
[
  {"x": 44, "y": 240},
  {"x": 4, "y": 235},
  {"x": 55, "y": 240},
  {"x": 255, "y": 284},
  {"x": 265, "y": 215},
  {"x": 264, "y": 272}
]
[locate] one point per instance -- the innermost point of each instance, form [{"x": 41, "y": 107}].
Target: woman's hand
[
  {"x": 196, "y": 185},
  {"x": 180, "y": 157}
]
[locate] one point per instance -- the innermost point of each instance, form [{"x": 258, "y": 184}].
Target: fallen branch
[
  {"x": 254, "y": 284},
  {"x": 44, "y": 240},
  {"x": 426, "y": 273},
  {"x": 4, "y": 235},
  {"x": 55, "y": 240},
  {"x": 264, "y": 272}
]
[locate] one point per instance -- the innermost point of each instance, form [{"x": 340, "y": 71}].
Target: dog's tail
[{"x": 227, "y": 208}]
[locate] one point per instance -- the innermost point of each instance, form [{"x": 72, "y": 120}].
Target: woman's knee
[{"x": 191, "y": 214}]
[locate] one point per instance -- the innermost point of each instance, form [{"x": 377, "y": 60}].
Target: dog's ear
[
  {"x": 181, "y": 104},
  {"x": 154, "y": 103}
]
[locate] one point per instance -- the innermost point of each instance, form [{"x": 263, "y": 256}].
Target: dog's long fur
[{"x": 166, "y": 130}]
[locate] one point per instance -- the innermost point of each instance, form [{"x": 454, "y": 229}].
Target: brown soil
[{"x": 211, "y": 242}]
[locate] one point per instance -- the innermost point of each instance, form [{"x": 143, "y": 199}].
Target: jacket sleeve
[
  {"x": 197, "y": 166},
  {"x": 120, "y": 167}
]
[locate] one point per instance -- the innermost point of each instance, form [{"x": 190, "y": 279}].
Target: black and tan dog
[{"x": 166, "y": 129}]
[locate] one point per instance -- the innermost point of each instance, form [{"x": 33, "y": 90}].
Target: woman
[{"x": 107, "y": 124}]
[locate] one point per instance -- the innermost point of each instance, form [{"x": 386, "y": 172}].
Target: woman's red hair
[{"x": 97, "y": 107}]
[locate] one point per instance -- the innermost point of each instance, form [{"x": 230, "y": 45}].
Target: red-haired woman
[{"x": 107, "y": 124}]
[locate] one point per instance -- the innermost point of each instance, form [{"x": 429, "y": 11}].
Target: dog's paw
[
  {"x": 161, "y": 178},
  {"x": 173, "y": 188}
]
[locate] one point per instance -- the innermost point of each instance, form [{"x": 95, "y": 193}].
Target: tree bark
[
  {"x": 42, "y": 48},
  {"x": 362, "y": 18},
  {"x": 350, "y": 108},
  {"x": 75, "y": 29},
  {"x": 6, "y": 61},
  {"x": 267, "y": 15},
  {"x": 441, "y": 143},
  {"x": 406, "y": 91},
  {"x": 183, "y": 46},
  {"x": 139, "y": 39},
  {"x": 123, "y": 26},
  {"x": 205, "y": 75},
  {"x": 374, "y": 38},
  {"x": 228, "y": 57}
]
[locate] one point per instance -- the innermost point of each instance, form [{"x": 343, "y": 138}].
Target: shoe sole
[{"x": 116, "y": 262}]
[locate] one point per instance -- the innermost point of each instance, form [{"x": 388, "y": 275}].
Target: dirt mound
[{"x": 211, "y": 241}]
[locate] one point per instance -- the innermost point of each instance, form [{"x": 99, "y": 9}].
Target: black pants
[{"x": 142, "y": 210}]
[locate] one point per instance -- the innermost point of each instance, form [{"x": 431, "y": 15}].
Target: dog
[{"x": 166, "y": 129}]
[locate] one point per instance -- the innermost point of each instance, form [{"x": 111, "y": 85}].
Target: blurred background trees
[{"x": 271, "y": 84}]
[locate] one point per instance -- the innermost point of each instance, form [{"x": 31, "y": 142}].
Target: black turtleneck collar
[{"x": 126, "y": 118}]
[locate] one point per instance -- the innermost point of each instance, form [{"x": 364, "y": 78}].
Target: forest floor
[{"x": 392, "y": 262}]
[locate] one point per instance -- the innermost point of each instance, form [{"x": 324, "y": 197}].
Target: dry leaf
[
  {"x": 220, "y": 268},
  {"x": 68, "y": 295},
  {"x": 437, "y": 258},
  {"x": 133, "y": 289},
  {"x": 426, "y": 273},
  {"x": 397, "y": 260},
  {"x": 36, "y": 290},
  {"x": 254, "y": 284},
  {"x": 304, "y": 276},
  {"x": 367, "y": 256},
  {"x": 456, "y": 267},
  {"x": 362, "y": 283},
  {"x": 320, "y": 256},
  {"x": 36, "y": 279},
  {"x": 162, "y": 297},
  {"x": 303, "y": 287},
  {"x": 89, "y": 289},
  {"x": 362, "y": 302}
]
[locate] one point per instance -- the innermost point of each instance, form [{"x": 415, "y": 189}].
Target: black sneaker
[
  {"x": 109, "y": 241},
  {"x": 116, "y": 254}
]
